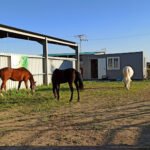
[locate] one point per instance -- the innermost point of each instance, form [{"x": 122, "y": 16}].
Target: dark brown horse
[
  {"x": 68, "y": 75},
  {"x": 20, "y": 74}
]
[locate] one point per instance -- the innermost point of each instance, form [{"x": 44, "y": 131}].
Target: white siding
[
  {"x": 61, "y": 63},
  {"x": 36, "y": 67},
  {"x": 4, "y": 61}
]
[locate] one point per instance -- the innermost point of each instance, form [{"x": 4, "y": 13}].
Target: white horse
[{"x": 127, "y": 74}]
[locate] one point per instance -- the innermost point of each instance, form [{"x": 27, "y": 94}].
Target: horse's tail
[
  {"x": 54, "y": 75},
  {"x": 80, "y": 80},
  {"x": 127, "y": 74},
  {"x": 1, "y": 72}
]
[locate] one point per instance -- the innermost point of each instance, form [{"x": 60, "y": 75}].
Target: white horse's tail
[{"x": 127, "y": 74}]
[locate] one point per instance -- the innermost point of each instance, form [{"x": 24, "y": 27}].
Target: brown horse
[
  {"x": 68, "y": 75},
  {"x": 20, "y": 74}
]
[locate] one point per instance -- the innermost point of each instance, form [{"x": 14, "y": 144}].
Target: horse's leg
[
  {"x": 54, "y": 90},
  {"x": 77, "y": 87},
  {"x": 71, "y": 89},
  {"x": 19, "y": 84},
  {"x": 26, "y": 85},
  {"x": 54, "y": 93},
  {"x": 1, "y": 90},
  {"x": 57, "y": 90},
  {"x": 3, "y": 86}
]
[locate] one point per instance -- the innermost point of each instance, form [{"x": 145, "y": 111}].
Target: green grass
[{"x": 43, "y": 100}]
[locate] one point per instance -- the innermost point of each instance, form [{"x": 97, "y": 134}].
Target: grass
[
  {"x": 107, "y": 113},
  {"x": 43, "y": 100}
]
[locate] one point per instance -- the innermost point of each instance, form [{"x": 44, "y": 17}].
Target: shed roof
[
  {"x": 8, "y": 31},
  {"x": 91, "y": 53},
  {"x": 71, "y": 54}
]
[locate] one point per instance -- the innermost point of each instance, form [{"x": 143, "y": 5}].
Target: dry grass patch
[{"x": 107, "y": 115}]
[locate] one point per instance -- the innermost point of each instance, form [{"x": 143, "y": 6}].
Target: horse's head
[{"x": 33, "y": 86}]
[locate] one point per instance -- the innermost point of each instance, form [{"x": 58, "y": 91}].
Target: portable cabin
[
  {"x": 109, "y": 66},
  {"x": 99, "y": 65}
]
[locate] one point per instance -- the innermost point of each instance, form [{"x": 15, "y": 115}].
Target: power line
[{"x": 121, "y": 37}]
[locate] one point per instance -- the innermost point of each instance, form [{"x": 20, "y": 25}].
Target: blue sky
[{"x": 117, "y": 25}]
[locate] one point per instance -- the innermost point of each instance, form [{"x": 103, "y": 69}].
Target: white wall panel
[{"x": 36, "y": 67}]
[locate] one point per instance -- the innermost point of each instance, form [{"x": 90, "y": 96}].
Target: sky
[{"x": 115, "y": 26}]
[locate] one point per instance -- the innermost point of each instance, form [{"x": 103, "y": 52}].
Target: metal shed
[{"x": 8, "y": 31}]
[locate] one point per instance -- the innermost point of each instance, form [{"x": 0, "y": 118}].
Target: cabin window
[{"x": 113, "y": 63}]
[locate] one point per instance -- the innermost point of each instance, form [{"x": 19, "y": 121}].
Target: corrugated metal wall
[{"x": 36, "y": 67}]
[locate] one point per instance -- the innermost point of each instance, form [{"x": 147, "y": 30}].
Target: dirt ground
[{"x": 80, "y": 124}]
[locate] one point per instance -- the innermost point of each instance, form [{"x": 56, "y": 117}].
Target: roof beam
[{"x": 7, "y": 31}]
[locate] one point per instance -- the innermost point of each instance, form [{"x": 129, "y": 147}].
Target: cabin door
[
  {"x": 101, "y": 68},
  {"x": 94, "y": 69}
]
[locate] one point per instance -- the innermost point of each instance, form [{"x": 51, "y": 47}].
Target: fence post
[
  {"x": 45, "y": 62},
  {"x": 78, "y": 58}
]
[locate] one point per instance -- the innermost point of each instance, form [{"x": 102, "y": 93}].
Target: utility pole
[{"x": 82, "y": 37}]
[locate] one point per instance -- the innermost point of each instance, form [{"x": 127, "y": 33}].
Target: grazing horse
[
  {"x": 20, "y": 74},
  {"x": 127, "y": 74},
  {"x": 68, "y": 75}
]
